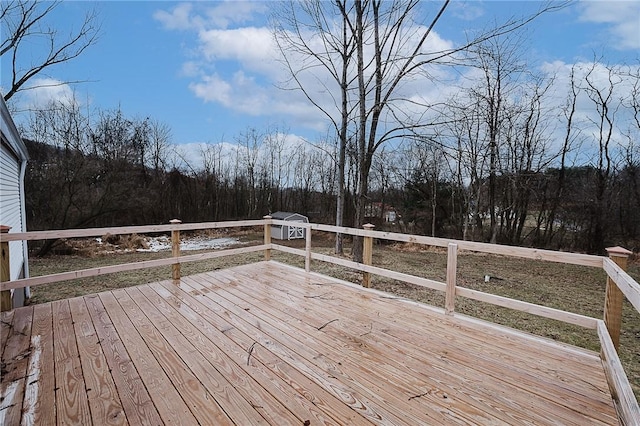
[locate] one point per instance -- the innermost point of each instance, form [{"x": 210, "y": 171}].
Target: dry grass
[{"x": 568, "y": 287}]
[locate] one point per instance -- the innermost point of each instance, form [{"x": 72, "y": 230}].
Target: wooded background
[{"x": 507, "y": 154}]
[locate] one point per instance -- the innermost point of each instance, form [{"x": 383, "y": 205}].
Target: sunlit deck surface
[{"x": 270, "y": 344}]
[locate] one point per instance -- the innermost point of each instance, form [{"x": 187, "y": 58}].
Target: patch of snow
[{"x": 198, "y": 243}]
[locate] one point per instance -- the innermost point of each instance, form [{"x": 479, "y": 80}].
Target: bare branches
[{"x": 24, "y": 25}]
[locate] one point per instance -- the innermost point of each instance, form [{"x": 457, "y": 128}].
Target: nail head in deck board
[
  {"x": 72, "y": 406},
  {"x": 166, "y": 398},
  {"x": 137, "y": 403}
]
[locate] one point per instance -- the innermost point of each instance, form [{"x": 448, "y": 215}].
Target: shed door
[{"x": 294, "y": 231}]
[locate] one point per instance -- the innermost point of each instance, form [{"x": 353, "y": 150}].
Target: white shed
[
  {"x": 13, "y": 164},
  {"x": 284, "y": 232}
]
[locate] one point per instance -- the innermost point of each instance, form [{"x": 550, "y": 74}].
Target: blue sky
[{"x": 207, "y": 70}]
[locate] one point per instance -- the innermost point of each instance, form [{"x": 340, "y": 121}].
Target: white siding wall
[{"x": 10, "y": 206}]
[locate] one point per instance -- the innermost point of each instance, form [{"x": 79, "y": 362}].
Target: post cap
[
  {"x": 618, "y": 251},
  {"x": 368, "y": 226},
  {"x": 4, "y": 229},
  {"x": 175, "y": 221},
  {"x": 267, "y": 217}
]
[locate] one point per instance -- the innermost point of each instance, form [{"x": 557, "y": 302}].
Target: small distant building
[
  {"x": 284, "y": 232},
  {"x": 13, "y": 165},
  {"x": 383, "y": 211}
]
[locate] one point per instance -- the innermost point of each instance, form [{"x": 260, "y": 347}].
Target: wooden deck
[{"x": 269, "y": 344}]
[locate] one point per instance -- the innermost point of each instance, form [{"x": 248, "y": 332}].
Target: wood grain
[
  {"x": 39, "y": 406},
  {"x": 303, "y": 403},
  {"x": 322, "y": 397},
  {"x": 341, "y": 323},
  {"x": 209, "y": 391},
  {"x": 133, "y": 395},
  {"x": 272, "y": 344},
  {"x": 6, "y": 318},
  {"x": 104, "y": 401},
  {"x": 626, "y": 403},
  {"x": 629, "y": 287},
  {"x": 15, "y": 359},
  {"x": 166, "y": 398},
  {"x": 72, "y": 406}
]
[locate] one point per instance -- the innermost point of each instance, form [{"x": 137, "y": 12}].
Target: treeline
[
  {"x": 527, "y": 167},
  {"x": 532, "y": 209},
  {"x": 121, "y": 171}
]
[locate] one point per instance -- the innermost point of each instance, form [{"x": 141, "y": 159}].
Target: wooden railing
[{"x": 619, "y": 283}]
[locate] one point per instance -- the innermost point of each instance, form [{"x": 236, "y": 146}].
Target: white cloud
[
  {"x": 623, "y": 18},
  {"x": 213, "y": 89},
  {"x": 190, "y": 69},
  {"x": 239, "y": 67},
  {"x": 252, "y": 47},
  {"x": 234, "y": 12},
  {"x": 228, "y": 156},
  {"x": 467, "y": 10},
  {"x": 179, "y": 18},
  {"x": 42, "y": 91},
  {"x": 187, "y": 16},
  {"x": 586, "y": 118}
]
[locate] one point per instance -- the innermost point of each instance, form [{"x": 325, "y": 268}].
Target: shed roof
[{"x": 285, "y": 215}]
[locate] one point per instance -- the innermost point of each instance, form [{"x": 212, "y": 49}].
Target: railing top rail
[
  {"x": 627, "y": 285},
  {"x": 524, "y": 252},
  {"x": 529, "y": 253},
  {"x": 146, "y": 229}
]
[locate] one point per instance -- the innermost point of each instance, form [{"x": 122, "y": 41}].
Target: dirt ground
[{"x": 567, "y": 287}]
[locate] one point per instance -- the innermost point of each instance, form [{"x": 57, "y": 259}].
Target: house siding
[{"x": 11, "y": 207}]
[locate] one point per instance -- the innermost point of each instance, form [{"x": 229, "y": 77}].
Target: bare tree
[
  {"x": 303, "y": 25},
  {"x": 568, "y": 142},
  {"x": 606, "y": 102},
  {"x": 25, "y": 31},
  {"x": 159, "y": 141},
  {"x": 391, "y": 49}
]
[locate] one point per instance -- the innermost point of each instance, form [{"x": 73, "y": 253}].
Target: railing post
[
  {"x": 267, "y": 236},
  {"x": 6, "y": 304},
  {"x": 613, "y": 297},
  {"x": 307, "y": 248},
  {"x": 175, "y": 251},
  {"x": 452, "y": 266},
  {"x": 367, "y": 255}
]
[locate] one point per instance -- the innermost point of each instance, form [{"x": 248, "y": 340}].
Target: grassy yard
[{"x": 567, "y": 287}]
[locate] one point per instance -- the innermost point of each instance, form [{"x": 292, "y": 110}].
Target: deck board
[
  {"x": 40, "y": 386},
  {"x": 270, "y": 344},
  {"x": 515, "y": 373},
  {"x": 15, "y": 359},
  {"x": 136, "y": 402},
  {"x": 72, "y": 405}
]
